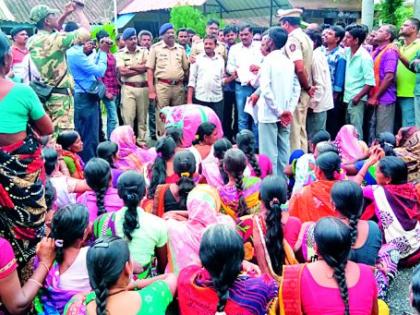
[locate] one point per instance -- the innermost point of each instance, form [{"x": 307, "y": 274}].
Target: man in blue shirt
[{"x": 86, "y": 72}]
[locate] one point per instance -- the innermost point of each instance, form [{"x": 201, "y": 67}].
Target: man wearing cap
[
  {"x": 131, "y": 64},
  {"x": 47, "y": 54},
  {"x": 167, "y": 67},
  {"x": 212, "y": 30},
  {"x": 19, "y": 50},
  {"x": 299, "y": 49}
]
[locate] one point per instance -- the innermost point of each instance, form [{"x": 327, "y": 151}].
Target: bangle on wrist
[
  {"x": 45, "y": 266},
  {"x": 36, "y": 282}
]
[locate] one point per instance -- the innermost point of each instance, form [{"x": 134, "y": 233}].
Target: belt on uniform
[
  {"x": 64, "y": 91},
  {"x": 136, "y": 84},
  {"x": 170, "y": 82}
]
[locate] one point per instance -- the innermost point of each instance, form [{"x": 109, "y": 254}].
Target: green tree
[
  {"x": 393, "y": 12},
  {"x": 190, "y": 17}
]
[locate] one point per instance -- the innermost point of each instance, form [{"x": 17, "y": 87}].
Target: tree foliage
[
  {"x": 392, "y": 12},
  {"x": 190, "y": 17},
  {"x": 110, "y": 29}
]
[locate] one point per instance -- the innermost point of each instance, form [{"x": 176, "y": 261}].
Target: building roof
[
  {"x": 135, "y": 6},
  {"x": 97, "y": 11}
]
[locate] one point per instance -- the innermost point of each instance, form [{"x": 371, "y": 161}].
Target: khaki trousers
[
  {"x": 298, "y": 135},
  {"x": 134, "y": 104},
  {"x": 167, "y": 95}
]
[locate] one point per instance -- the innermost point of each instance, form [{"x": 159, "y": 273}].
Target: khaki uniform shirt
[
  {"x": 300, "y": 47},
  {"x": 125, "y": 58},
  {"x": 168, "y": 63},
  {"x": 198, "y": 49}
]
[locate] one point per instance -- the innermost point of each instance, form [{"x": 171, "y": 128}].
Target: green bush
[
  {"x": 110, "y": 29},
  {"x": 392, "y": 12}
]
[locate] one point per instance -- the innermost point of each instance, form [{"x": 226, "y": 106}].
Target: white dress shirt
[
  {"x": 279, "y": 85},
  {"x": 206, "y": 77},
  {"x": 241, "y": 58},
  {"x": 321, "y": 78}
]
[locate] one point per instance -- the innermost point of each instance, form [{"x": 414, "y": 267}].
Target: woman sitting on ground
[
  {"x": 212, "y": 168},
  {"x": 220, "y": 287},
  {"x": 202, "y": 148},
  {"x": 350, "y": 147},
  {"x": 110, "y": 274},
  {"x": 66, "y": 187},
  {"x": 102, "y": 197},
  {"x": 408, "y": 149},
  {"x": 129, "y": 155},
  {"x": 313, "y": 201},
  {"x": 240, "y": 195},
  {"x": 185, "y": 228},
  {"x": 170, "y": 197},
  {"x": 259, "y": 165},
  {"x": 68, "y": 274},
  {"x": 269, "y": 237},
  {"x": 108, "y": 151},
  {"x": 333, "y": 284},
  {"x": 146, "y": 234},
  {"x": 72, "y": 145}
]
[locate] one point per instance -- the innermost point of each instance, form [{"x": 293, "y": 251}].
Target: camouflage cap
[{"x": 40, "y": 12}]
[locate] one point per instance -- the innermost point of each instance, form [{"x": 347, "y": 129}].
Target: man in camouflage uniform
[{"x": 47, "y": 52}]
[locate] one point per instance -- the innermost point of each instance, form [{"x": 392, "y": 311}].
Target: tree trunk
[{"x": 367, "y": 12}]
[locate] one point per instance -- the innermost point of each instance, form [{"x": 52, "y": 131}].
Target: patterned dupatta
[{"x": 78, "y": 163}]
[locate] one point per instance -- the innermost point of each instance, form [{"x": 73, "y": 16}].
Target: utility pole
[
  {"x": 368, "y": 7},
  {"x": 417, "y": 9}
]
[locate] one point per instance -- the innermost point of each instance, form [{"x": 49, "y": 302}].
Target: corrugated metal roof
[
  {"x": 96, "y": 10},
  {"x": 150, "y": 5},
  {"x": 353, "y": 5}
]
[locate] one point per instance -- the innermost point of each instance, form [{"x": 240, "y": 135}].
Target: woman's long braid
[
  {"x": 253, "y": 161},
  {"x": 274, "y": 237},
  {"x": 130, "y": 217},
  {"x": 340, "y": 277},
  {"x": 242, "y": 206},
  {"x": 100, "y": 200},
  {"x": 353, "y": 222},
  {"x": 223, "y": 173},
  {"x": 101, "y": 293}
]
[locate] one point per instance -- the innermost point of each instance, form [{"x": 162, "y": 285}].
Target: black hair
[
  {"x": 292, "y": 20},
  {"x": 68, "y": 225},
  {"x": 245, "y": 140},
  {"x": 221, "y": 253},
  {"x": 415, "y": 22},
  {"x": 415, "y": 288},
  {"x": 105, "y": 261},
  {"x": 394, "y": 168},
  {"x": 4, "y": 49},
  {"x": 315, "y": 36},
  {"x": 67, "y": 138},
  {"x": 191, "y": 31},
  {"x": 220, "y": 147},
  {"x": 339, "y": 32},
  {"x": 320, "y": 136},
  {"x": 184, "y": 167},
  {"x": 357, "y": 31},
  {"x": 273, "y": 193},
  {"x": 131, "y": 189},
  {"x": 341, "y": 24},
  {"x": 211, "y": 37},
  {"x": 246, "y": 26},
  {"x": 181, "y": 30},
  {"x": 101, "y": 34},
  {"x": 278, "y": 35},
  {"x": 71, "y": 26},
  {"x": 50, "y": 159},
  {"x": 50, "y": 194},
  {"x": 165, "y": 148},
  {"x": 176, "y": 134},
  {"x": 234, "y": 163},
  {"x": 97, "y": 175},
  {"x": 324, "y": 146},
  {"x": 40, "y": 25},
  {"x": 348, "y": 200},
  {"x": 333, "y": 240},
  {"x": 387, "y": 141},
  {"x": 205, "y": 129},
  {"x": 107, "y": 150},
  {"x": 230, "y": 29},
  {"x": 213, "y": 21},
  {"x": 330, "y": 164}
]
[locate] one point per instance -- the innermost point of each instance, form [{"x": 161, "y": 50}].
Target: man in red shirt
[{"x": 19, "y": 50}]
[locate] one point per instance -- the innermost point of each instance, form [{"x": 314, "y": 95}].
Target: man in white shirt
[
  {"x": 280, "y": 90},
  {"x": 244, "y": 58},
  {"x": 322, "y": 101},
  {"x": 207, "y": 78}
]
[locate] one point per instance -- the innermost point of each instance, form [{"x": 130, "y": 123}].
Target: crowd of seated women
[{"x": 208, "y": 229}]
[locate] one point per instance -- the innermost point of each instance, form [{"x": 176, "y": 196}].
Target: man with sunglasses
[{"x": 47, "y": 58}]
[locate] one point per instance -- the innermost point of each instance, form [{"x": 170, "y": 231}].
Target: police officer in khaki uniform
[
  {"x": 299, "y": 49},
  {"x": 131, "y": 64},
  {"x": 167, "y": 68},
  {"x": 212, "y": 30}
]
